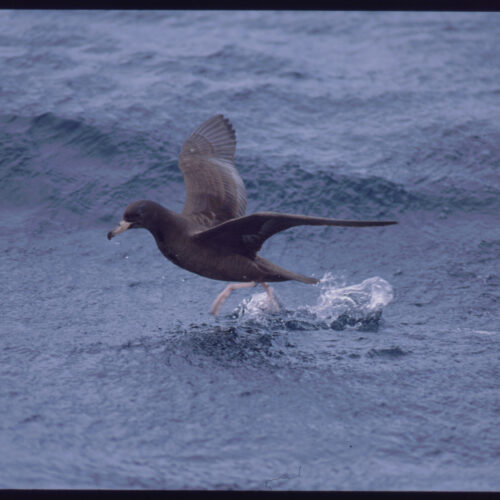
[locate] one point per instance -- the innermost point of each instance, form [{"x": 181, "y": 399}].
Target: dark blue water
[{"x": 386, "y": 375}]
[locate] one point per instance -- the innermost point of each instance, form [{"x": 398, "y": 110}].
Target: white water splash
[
  {"x": 343, "y": 306},
  {"x": 257, "y": 305},
  {"x": 369, "y": 296}
]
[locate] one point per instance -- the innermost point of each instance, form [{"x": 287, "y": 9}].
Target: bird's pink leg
[
  {"x": 225, "y": 294},
  {"x": 270, "y": 294}
]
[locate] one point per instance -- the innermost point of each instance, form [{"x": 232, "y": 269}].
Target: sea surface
[{"x": 384, "y": 376}]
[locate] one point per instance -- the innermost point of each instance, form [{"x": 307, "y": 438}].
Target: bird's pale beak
[{"x": 123, "y": 226}]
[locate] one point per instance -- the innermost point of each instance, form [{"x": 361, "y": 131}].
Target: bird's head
[{"x": 136, "y": 215}]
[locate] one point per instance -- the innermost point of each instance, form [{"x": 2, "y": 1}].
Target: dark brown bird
[{"x": 212, "y": 236}]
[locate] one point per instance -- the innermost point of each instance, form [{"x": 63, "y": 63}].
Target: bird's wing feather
[
  {"x": 214, "y": 190},
  {"x": 245, "y": 235}
]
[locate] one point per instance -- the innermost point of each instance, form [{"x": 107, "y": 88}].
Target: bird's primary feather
[{"x": 246, "y": 235}]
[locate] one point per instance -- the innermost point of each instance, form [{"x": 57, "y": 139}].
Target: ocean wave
[
  {"x": 66, "y": 167},
  {"x": 93, "y": 172}
]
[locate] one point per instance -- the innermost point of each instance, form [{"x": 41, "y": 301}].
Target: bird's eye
[{"x": 133, "y": 217}]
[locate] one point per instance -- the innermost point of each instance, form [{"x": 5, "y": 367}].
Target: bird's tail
[
  {"x": 277, "y": 273},
  {"x": 302, "y": 278}
]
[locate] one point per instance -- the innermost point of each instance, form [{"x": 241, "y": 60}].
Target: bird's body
[
  {"x": 180, "y": 240},
  {"x": 212, "y": 237}
]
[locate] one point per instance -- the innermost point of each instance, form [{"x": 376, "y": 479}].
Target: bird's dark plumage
[
  {"x": 212, "y": 236},
  {"x": 214, "y": 189}
]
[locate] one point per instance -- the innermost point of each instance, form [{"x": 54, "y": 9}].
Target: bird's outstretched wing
[
  {"x": 245, "y": 235},
  {"x": 214, "y": 190}
]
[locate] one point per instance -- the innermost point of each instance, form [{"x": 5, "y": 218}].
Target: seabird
[{"x": 212, "y": 236}]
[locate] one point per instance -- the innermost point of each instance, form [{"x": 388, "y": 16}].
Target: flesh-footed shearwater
[{"x": 212, "y": 236}]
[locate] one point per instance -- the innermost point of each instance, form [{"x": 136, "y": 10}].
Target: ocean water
[{"x": 384, "y": 376}]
